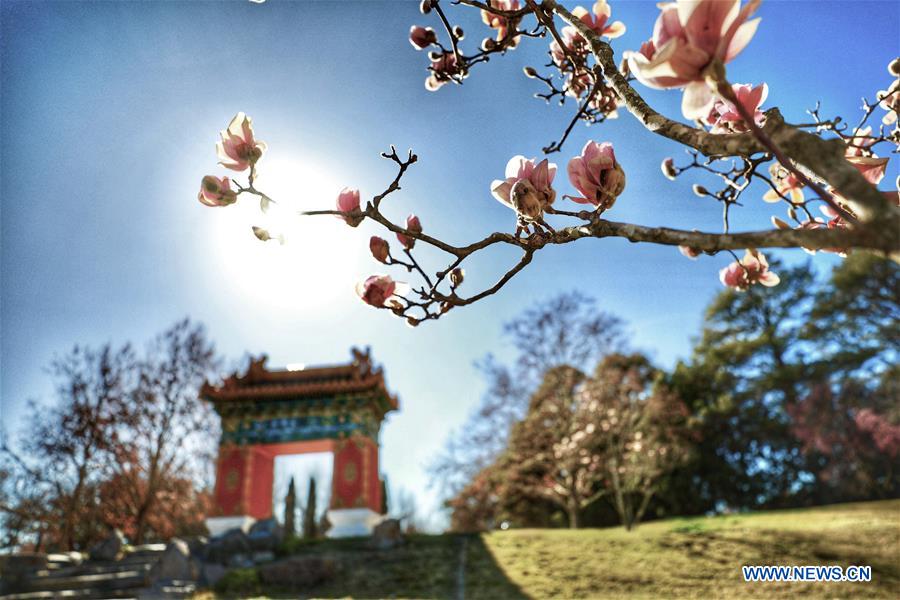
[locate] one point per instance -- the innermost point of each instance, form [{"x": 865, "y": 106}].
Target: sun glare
[{"x": 317, "y": 262}]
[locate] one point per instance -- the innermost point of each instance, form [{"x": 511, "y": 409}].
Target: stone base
[
  {"x": 352, "y": 522},
  {"x": 219, "y": 525}
]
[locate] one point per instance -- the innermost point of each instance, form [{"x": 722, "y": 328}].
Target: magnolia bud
[
  {"x": 700, "y": 190},
  {"x": 792, "y": 213},
  {"x": 261, "y": 234},
  {"x": 425, "y": 7},
  {"x": 488, "y": 44},
  {"x": 412, "y": 321},
  {"x": 894, "y": 67},
  {"x": 668, "y": 169},
  {"x": 381, "y": 250},
  {"x": 530, "y": 72},
  {"x": 779, "y": 223},
  {"x": 457, "y": 276},
  {"x": 458, "y": 32},
  {"x": 415, "y": 226},
  {"x": 434, "y": 56}
]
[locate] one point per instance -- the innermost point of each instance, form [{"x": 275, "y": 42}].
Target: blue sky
[{"x": 109, "y": 117}]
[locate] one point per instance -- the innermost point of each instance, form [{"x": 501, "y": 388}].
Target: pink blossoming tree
[{"x": 823, "y": 167}]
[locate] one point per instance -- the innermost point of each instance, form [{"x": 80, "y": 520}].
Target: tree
[
  {"x": 735, "y": 147},
  {"x": 783, "y": 386},
  {"x": 567, "y": 329},
  {"x": 749, "y": 365},
  {"x": 170, "y": 439},
  {"x": 309, "y": 512},
  {"x": 642, "y": 433},
  {"x": 124, "y": 446},
  {"x": 552, "y": 452},
  {"x": 69, "y": 447},
  {"x": 290, "y": 510},
  {"x": 384, "y": 497},
  {"x": 405, "y": 509}
]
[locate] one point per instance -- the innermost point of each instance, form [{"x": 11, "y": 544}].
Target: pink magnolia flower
[
  {"x": 786, "y": 184},
  {"x": 596, "y": 175},
  {"x": 871, "y": 167},
  {"x": 724, "y": 117},
  {"x": 348, "y": 204},
  {"x": 500, "y": 23},
  {"x": 216, "y": 192},
  {"x": 753, "y": 268},
  {"x": 443, "y": 69},
  {"x": 889, "y": 100},
  {"x": 859, "y": 143},
  {"x": 412, "y": 224},
  {"x": 596, "y": 21},
  {"x": 380, "y": 249},
  {"x": 421, "y": 37},
  {"x": 687, "y": 37},
  {"x": 527, "y": 188},
  {"x": 239, "y": 150},
  {"x": 885, "y": 434},
  {"x": 377, "y": 290},
  {"x": 604, "y": 100}
]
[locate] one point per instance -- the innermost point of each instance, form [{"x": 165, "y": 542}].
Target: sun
[{"x": 320, "y": 258}]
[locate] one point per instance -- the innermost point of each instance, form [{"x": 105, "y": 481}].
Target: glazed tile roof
[{"x": 261, "y": 384}]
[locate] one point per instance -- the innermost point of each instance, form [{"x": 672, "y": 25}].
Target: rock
[
  {"x": 266, "y": 534},
  {"x": 110, "y": 548},
  {"x": 387, "y": 534},
  {"x": 15, "y": 569},
  {"x": 297, "y": 571},
  {"x": 211, "y": 573},
  {"x": 175, "y": 563},
  {"x": 197, "y": 545},
  {"x": 240, "y": 561},
  {"x": 222, "y": 547}
]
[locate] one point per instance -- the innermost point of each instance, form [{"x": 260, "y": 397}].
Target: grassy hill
[{"x": 677, "y": 558}]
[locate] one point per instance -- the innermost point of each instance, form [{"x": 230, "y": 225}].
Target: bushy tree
[
  {"x": 173, "y": 435},
  {"x": 121, "y": 447},
  {"x": 568, "y": 329},
  {"x": 787, "y": 385},
  {"x": 69, "y": 447},
  {"x": 641, "y": 432}
]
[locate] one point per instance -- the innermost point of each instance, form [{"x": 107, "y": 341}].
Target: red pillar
[
  {"x": 355, "y": 482},
  {"x": 244, "y": 478}
]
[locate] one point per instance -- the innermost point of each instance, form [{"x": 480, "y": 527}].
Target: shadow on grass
[{"x": 426, "y": 566}]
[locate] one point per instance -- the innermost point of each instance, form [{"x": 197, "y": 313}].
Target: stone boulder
[
  {"x": 387, "y": 534},
  {"x": 297, "y": 572},
  {"x": 110, "y": 548},
  {"x": 15, "y": 569},
  {"x": 211, "y": 573},
  {"x": 174, "y": 563},
  {"x": 222, "y": 547},
  {"x": 265, "y": 535}
]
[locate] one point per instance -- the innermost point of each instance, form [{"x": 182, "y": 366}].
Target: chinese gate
[{"x": 264, "y": 414}]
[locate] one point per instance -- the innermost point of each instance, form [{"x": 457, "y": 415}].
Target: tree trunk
[{"x": 572, "y": 512}]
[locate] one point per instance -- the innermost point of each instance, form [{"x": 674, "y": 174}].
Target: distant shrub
[{"x": 239, "y": 582}]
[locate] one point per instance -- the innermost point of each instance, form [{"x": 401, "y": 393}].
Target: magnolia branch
[
  {"x": 593, "y": 227},
  {"x": 823, "y": 157}
]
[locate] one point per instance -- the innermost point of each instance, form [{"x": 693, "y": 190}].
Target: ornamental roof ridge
[{"x": 258, "y": 382}]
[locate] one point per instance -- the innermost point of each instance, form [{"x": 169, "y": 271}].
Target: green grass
[{"x": 677, "y": 558}]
